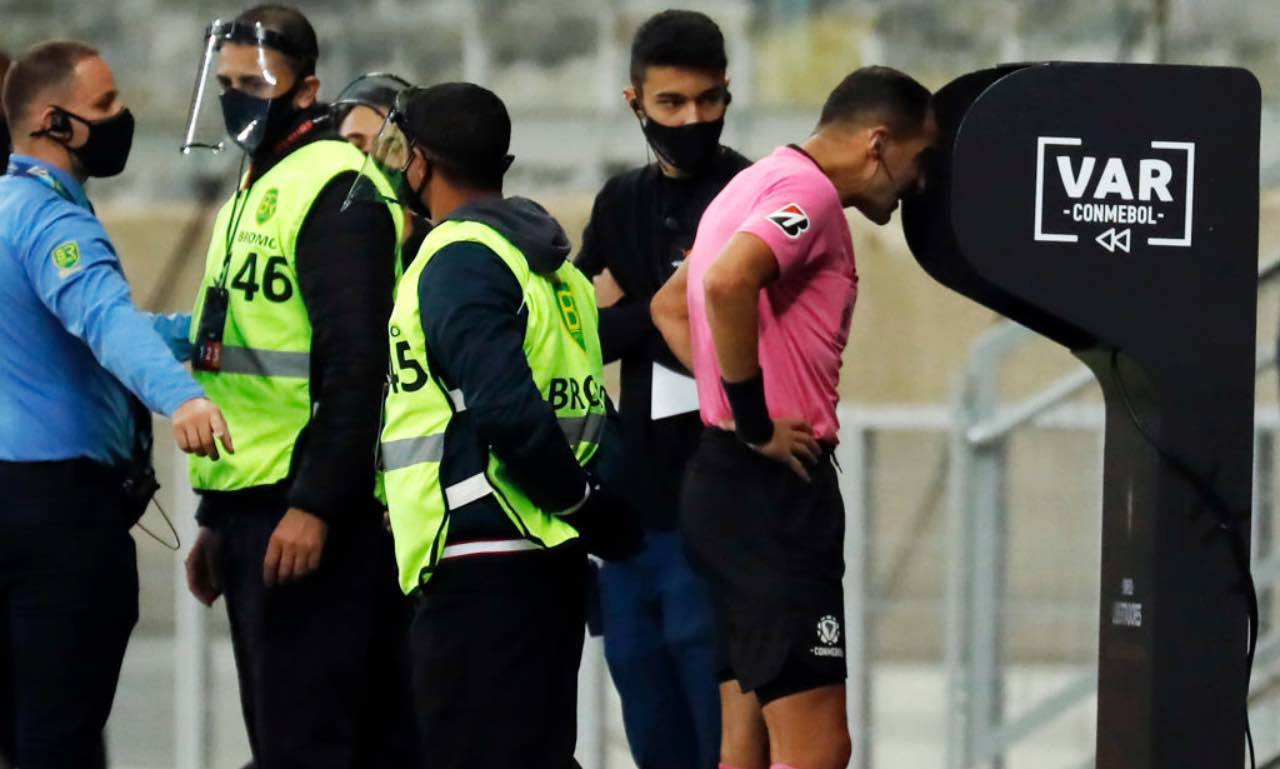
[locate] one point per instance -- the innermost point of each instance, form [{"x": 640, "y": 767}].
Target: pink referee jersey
[{"x": 786, "y": 201}]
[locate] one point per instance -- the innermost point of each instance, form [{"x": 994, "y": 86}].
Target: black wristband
[{"x": 750, "y": 412}]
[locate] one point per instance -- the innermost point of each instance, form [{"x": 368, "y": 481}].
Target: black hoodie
[{"x": 474, "y": 319}]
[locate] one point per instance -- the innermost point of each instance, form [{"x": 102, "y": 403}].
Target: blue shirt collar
[{"x": 28, "y": 166}]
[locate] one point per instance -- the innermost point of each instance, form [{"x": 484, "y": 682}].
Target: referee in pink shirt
[{"x": 760, "y": 312}]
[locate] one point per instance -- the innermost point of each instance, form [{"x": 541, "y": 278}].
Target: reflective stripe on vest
[
  {"x": 264, "y": 383},
  {"x": 404, "y": 452},
  {"x": 245, "y": 360},
  {"x": 562, "y": 348},
  {"x": 487, "y": 548},
  {"x": 585, "y": 428}
]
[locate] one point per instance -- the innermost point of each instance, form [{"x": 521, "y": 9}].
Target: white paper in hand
[{"x": 673, "y": 393}]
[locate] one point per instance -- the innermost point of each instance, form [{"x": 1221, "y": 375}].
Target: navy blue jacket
[{"x": 474, "y": 319}]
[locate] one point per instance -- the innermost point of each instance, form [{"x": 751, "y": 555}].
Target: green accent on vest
[
  {"x": 562, "y": 345},
  {"x": 264, "y": 387},
  {"x": 267, "y": 208}
]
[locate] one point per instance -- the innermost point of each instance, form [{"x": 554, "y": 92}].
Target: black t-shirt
[{"x": 642, "y": 225}]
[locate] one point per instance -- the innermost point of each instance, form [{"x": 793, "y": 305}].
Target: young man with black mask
[
  {"x": 657, "y": 618},
  {"x": 294, "y": 292}
]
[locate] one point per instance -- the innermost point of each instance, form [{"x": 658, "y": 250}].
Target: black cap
[
  {"x": 280, "y": 27},
  {"x": 464, "y": 125},
  {"x": 373, "y": 89}
]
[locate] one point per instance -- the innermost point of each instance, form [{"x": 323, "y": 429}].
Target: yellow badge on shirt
[{"x": 66, "y": 258}]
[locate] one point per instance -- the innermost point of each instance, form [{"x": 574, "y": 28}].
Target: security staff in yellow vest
[
  {"x": 294, "y": 294},
  {"x": 492, "y": 425}
]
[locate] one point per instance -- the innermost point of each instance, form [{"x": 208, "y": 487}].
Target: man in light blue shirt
[{"x": 79, "y": 368}]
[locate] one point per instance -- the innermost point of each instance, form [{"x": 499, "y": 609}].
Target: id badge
[{"x": 207, "y": 352}]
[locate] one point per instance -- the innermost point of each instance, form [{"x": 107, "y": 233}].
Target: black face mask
[
  {"x": 689, "y": 148},
  {"x": 106, "y": 151},
  {"x": 412, "y": 200},
  {"x": 413, "y": 197},
  {"x": 252, "y": 122}
]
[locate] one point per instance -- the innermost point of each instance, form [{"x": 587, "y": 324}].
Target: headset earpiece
[{"x": 59, "y": 122}]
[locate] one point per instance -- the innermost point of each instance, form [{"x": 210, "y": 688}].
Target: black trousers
[
  {"x": 497, "y": 640},
  {"x": 68, "y": 603},
  {"x": 323, "y": 662}
]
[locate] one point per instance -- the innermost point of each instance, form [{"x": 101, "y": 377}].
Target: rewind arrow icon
[{"x": 1111, "y": 240}]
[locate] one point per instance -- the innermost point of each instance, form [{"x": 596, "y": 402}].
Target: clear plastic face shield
[
  {"x": 361, "y": 107},
  {"x": 384, "y": 177},
  {"x": 243, "y": 74}
]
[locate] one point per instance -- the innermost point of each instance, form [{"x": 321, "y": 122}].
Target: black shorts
[{"x": 772, "y": 549}]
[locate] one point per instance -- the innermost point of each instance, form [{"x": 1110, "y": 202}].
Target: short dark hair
[
  {"x": 464, "y": 128},
  {"x": 294, "y": 28},
  {"x": 879, "y": 93},
  {"x": 686, "y": 39},
  {"x": 44, "y": 66}
]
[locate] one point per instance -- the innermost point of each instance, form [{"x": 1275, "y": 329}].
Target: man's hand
[
  {"x": 202, "y": 567},
  {"x": 792, "y": 444},
  {"x": 295, "y": 547},
  {"x": 607, "y": 525},
  {"x": 608, "y": 292},
  {"x": 198, "y": 425}
]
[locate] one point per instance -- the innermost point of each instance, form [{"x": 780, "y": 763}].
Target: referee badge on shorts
[{"x": 829, "y": 638}]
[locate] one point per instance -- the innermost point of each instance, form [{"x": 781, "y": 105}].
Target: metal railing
[
  {"x": 974, "y": 509},
  {"x": 978, "y": 733}
]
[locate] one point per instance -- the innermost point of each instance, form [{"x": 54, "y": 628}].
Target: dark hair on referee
[
  {"x": 297, "y": 32},
  {"x": 464, "y": 130},
  {"x": 881, "y": 94},
  {"x": 44, "y": 67},
  {"x": 685, "y": 39}
]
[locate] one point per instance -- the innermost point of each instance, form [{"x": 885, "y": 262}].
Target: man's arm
[
  {"x": 175, "y": 329},
  {"x": 345, "y": 264},
  {"x": 624, "y": 322},
  {"x": 474, "y": 324},
  {"x": 733, "y": 284},
  {"x": 670, "y": 312},
  {"x": 77, "y": 275},
  {"x": 345, "y": 272}
]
